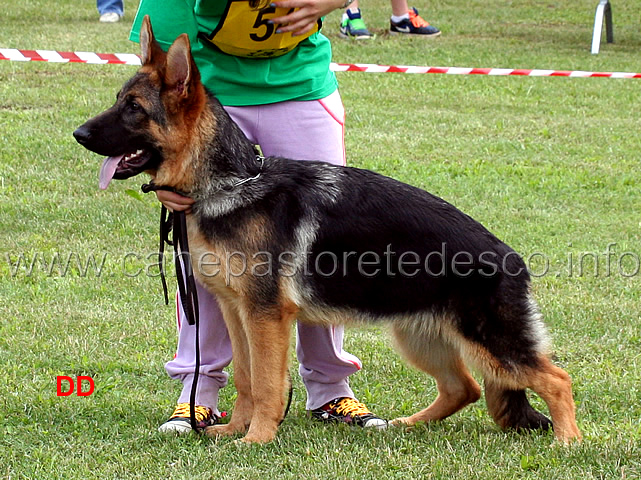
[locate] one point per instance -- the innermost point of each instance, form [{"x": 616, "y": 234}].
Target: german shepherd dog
[{"x": 326, "y": 244}]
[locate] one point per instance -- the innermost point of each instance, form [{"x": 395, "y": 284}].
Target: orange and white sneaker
[
  {"x": 180, "y": 421},
  {"x": 350, "y": 411},
  {"x": 413, "y": 25}
]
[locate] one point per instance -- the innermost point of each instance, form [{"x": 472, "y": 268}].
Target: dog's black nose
[{"x": 82, "y": 135}]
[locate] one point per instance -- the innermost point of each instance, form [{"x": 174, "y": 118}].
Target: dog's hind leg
[
  {"x": 506, "y": 381},
  {"x": 511, "y": 409},
  {"x": 433, "y": 354},
  {"x": 508, "y": 405},
  {"x": 554, "y": 386}
]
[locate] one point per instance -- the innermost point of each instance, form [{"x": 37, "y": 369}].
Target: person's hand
[
  {"x": 308, "y": 13},
  {"x": 175, "y": 202}
]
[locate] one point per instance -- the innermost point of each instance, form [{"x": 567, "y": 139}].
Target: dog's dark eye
[{"x": 132, "y": 104}]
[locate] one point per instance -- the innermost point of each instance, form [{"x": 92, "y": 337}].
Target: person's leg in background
[
  {"x": 111, "y": 11},
  {"x": 352, "y": 23},
  {"x": 407, "y": 21}
]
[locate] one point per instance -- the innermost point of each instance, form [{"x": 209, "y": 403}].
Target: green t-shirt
[{"x": 301, "y": 74}]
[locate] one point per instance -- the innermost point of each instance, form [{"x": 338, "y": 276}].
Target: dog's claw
[
  {"x": 400, "y": 422},
  {"x": 251, "y": 439},
  {"x": 220, "y": 431}
]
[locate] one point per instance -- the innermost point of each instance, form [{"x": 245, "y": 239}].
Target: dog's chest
[{"x": 225, "y": 267}]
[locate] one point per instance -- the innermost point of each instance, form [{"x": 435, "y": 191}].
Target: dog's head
[{"x": 146, "y": 130}]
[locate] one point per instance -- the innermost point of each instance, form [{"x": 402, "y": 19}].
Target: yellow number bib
[{"x": 246, "y": 32}]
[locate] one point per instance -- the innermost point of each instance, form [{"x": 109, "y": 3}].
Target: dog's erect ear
[
  {"x": 180, "y": 72},
  {"x": 150, "y": 51}
]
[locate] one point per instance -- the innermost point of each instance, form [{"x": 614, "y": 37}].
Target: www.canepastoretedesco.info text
[{"x": 606, "y": 262}]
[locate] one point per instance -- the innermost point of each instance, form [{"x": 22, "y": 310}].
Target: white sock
[{"x": 400, "y": 18}]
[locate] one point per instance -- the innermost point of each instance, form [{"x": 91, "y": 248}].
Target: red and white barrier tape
[
  {"x": 68, "y": 57},
  {"x": 131, "y": 59},
  {"x": 370, "y": 68}
]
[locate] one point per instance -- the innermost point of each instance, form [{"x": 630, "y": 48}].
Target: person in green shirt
[{"x": 269, "y": 66}]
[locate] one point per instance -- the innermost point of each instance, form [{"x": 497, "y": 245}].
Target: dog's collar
[
  {"x": 259, "y": 158},
  {"x": 152, "y": 187}
]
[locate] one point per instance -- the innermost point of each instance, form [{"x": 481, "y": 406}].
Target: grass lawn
[{"x": 548, "y": 164}]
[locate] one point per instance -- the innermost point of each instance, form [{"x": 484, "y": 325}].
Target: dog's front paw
[
  {"x": 259, "y": 432},
  {"x": 401, "y": 422},
  {"x": 223, "y": 430},
  {"x": 256, "y": 438}
]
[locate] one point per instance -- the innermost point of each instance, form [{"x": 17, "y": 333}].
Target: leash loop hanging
[
  {"x": 177, "y": 222},
  {"x": 189, "y": 299},
  {"x": 166, "y": 225}
]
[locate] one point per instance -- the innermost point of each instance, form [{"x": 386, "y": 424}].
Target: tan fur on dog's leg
[
  {"x": 244, "y": 406},
  {"x": 268, "y": 335},
  {"x": 554, "y": 386}
]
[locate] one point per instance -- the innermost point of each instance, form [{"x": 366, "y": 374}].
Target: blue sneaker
[
  {"x": 414, "y": 25},
  {"x": 353, "y": 26}
]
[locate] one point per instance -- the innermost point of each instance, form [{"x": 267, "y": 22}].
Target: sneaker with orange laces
[
  {"x": 413, "y": 24},
  {"x": 350, "y": 411},
  {"x": 180, "y": 421}
]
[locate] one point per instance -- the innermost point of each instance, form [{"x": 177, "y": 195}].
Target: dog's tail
[{"x": 511, "y": 409}]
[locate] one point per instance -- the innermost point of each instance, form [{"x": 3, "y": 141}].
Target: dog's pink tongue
[{"x": 108, "y": 170}]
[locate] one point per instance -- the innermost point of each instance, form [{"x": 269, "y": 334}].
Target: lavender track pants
[{"x": 311, "y": 130}]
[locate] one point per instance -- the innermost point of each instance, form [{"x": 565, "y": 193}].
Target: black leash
[{"x": 177, "y": 222}]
